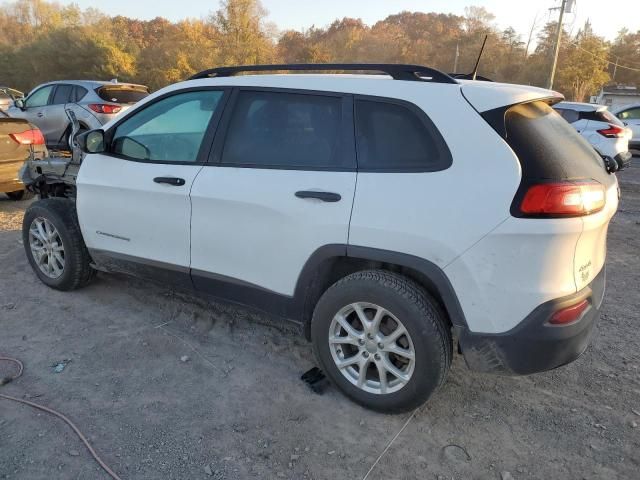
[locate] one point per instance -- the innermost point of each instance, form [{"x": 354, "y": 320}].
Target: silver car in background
[{"x": 93, "y": 102}]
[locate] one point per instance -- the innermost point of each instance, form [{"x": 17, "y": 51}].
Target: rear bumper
[
  {"x": 9, "y": 181},
  {"x": 533, "y": 345}
]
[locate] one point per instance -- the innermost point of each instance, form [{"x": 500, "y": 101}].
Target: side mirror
[
  {"x": 91, "y": 141},
  {"x": 19, "y": 103}
]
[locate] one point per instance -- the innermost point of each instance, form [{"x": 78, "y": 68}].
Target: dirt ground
[{"x": 237, "y": 408}]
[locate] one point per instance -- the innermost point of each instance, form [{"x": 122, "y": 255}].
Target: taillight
[
  {"x": 28, "y": 137},
  {"x": 104, "y": 108},
  {"x": 563, "y": 199},
  {"x": 569, "y": 314},
  {"x": 614, "y": 131}
]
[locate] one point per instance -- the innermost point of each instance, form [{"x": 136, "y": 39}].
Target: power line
[{"x": 609, "y": 62}]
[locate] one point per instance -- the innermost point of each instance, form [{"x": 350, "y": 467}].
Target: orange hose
[{"x": 77, "y": 431}]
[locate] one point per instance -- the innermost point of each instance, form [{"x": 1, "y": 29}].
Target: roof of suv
[
  {"x": 92, "y": 83},
  {"x": 483, "y": 95}
]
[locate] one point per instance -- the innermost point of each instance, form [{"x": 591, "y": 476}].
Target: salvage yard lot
[{"x": 237, "y": 409}]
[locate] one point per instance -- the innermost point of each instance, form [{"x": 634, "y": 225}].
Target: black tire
[
  {"x": 20, "y": 195},
  {"x": 421, "y": 316},
  {"x": 61, "y": 212}
]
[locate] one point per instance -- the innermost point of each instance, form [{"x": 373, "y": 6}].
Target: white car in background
[
  {"x": 602, "y": 129},
  {"x": 630, "y": 116}
]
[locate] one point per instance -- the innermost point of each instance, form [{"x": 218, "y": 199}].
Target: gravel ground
[{"x": 237, "y": 409}]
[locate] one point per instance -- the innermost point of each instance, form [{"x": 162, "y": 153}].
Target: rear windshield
[
  {"x": 607, "y": 116},
  {"x": 121, "y": 94},
  {"x": 548, "y": 147}
]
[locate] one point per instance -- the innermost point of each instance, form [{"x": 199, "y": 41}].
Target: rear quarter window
[{"x": 397, "y": 137}]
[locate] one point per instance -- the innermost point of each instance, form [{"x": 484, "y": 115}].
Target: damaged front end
[{"x": 55, "y": 174}]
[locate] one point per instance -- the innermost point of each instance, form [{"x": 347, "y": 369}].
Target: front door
[
  {"x": 133, "y": 200},
  {"x": 631, "y": 117},
  {"x": 281, "y": 187},
  {"x": 37, "y": 109}
]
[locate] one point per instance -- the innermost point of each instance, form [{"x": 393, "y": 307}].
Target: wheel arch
[{"x": 330, "y": 263}]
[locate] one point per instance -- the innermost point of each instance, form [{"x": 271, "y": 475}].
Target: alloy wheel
[
  {"x": 46, "y": 247},
  {"x": 371, "y": 348}
]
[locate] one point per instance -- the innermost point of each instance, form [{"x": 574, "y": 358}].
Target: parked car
[
  {"x": 630, "y": 115},
  {"x": 244, "y": 188},
  {"x": 94, "y": 103},
  {"x": 17, "y": 138},
  {"x": 602, "y": 129},
  {"x": 8, "y": 96}
]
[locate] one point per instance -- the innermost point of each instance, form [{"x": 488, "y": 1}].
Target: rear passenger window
[
  {"x": 285, "y": 130},
  {"x": 393, "y": 137},
  {"x": 62, "y": 94},
  {"x": 570, "y": 116}
]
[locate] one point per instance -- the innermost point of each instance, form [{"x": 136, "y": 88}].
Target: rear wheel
[
  {"x": 54, "y": 245},
  {"x": 382, "y": 340}
]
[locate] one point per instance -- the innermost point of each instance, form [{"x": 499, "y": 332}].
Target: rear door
[
  {"x": 280, "y": 186},
  {"x": 55, "y": 120},
  {"x": 133, "y": 200}
]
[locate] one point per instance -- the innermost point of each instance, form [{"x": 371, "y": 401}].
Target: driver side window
[
  {"x": 631, "y": 114},
  {"x": 39, "y": 98},
  {"x": 171, "y": 129}
]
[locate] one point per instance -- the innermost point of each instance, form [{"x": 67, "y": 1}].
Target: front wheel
[
  {"x": 54, "y": 244},
  {"x": 382, "y": 340}
]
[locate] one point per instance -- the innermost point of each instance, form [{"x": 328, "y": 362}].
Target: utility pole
[
  {"x": 533, "y": 27},
  {"x": 557, "y": 46},
  {"x": 455, "y": 61},
  {"x": 615, "y": 68}
]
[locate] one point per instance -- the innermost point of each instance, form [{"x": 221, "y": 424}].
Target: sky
[{"x": 607, "y": 17}]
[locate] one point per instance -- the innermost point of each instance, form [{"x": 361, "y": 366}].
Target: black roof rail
[{"x": 416, "y": 73}]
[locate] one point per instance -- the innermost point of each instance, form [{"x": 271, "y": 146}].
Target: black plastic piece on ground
[
  {"x": 316, "y": 380},
  {"x": 415, "y": 73}
]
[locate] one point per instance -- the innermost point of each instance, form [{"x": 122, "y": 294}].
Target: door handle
[
  {"x": 176, "y": 182},
  {"x": 40, "y": 114},
  {"x": 324, "y": 196}
]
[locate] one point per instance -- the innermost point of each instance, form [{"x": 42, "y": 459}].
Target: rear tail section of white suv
[{"x": 534, "y": 284}]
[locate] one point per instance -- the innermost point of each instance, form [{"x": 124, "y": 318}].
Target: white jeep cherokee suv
[{"x": 383, "y": 212}]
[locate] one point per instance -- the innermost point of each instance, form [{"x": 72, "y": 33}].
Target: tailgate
[{"x": 591, "y": 249}]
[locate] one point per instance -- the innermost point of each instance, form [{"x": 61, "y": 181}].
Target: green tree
[
  {"x": 244, "y": 36},
  {"x": 583, "y": 70}
]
